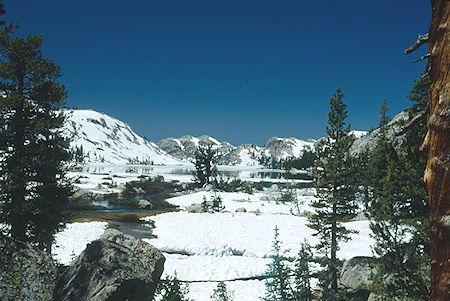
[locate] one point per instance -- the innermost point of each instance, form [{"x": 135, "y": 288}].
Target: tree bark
[
  {"x": 438, "y": 143},
  {"x": 334, "y": 284}
]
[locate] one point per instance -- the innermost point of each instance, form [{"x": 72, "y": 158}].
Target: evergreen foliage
[
  {"x": 397, "y": 206},
  {"x": 303, "y": 272},
  {"x": 79, "y": 154},
  {"x": 278, "y": 273},
  {"x": 336, "y": 191},
  {"x": 306, "y": 161},
  {"x": 171, "y": 289},
  {"x": 33, "y": 188},
  {"x": 221, "y": 293},
  {"x": 205, "y": 169},
  {"x": 214, "y": 205}
]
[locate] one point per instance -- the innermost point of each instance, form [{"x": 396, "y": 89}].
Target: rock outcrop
[
  {"x": 356, "y": 275},
  {"x": 282, "y": 148},
  {"x": 26, "y": 273},
  {"x": 369, "y": 141},
  {"x": 115, "y": 267},
  {"x": 145, "y": 204}
]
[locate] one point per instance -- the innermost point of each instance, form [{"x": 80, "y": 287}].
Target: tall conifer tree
[
  {"x": 335, "y": 189},
  {"x": 33, "y": 190}
]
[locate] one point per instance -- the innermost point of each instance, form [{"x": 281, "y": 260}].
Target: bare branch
[
  {"x": 413, "y": 121},
  {"x": 422, "y": 58},
  {"x": 421, "y": 39}
]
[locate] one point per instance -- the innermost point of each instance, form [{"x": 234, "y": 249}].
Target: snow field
[
  {"x": 214, "y": 268},
  {"x": 244, "y": 234},
  {"x": 250, "y": 290},
  {"x": 204, "y": 248},
  {"x": 251, "y": 202},
  {"x": 70, "y": 242}
]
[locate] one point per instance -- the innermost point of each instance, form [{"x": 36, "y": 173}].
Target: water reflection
[{"x": 186, "y": 170}]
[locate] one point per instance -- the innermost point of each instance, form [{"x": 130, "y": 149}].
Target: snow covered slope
[
  {"x": 184, "y": 148},
  {"x": 283, "y": 148},
  {"x": 107, "y": 140},
  {"x": 243, "y": 155}
]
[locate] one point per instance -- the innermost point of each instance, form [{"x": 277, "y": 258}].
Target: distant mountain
[
  {"x": 244, "y": 155},
  {"x": 104, "y": 139},
  {"x": 284, "y": 148},
  {"x": 184, "y": 148}
]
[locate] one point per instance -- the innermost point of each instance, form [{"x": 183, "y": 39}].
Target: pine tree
[
  {"x": 79, "y": 154},
  {"x": 277, "y": 283},
  {"x": 399, "y": 211},
  {"x": 221, "y": 293},
  {"x": 302, "y": 273},
  {"x": 33, "y": 190},
  {"x": 378, "y": 158},
  {"x": 171, "y": 289},
  {"x": 204, "y": 162},
  {"x": 333, "y": 175}
]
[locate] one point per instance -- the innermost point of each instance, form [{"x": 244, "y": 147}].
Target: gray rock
[
  {"x": 145, "y": 204},
  {"x": 356, "y": 275},
  {"x": 26, "y": 273},
  {"x": 196, "y": 208},
  {"x": 242, "y": 209},
  {"x": 269, "y": 198},
  {"x": 370, "y": 140},
  {"x": 115, "y": 267},
  {"x": 81, "y": 193},
  {"x": 256, "y": 212},
  {"x": 138, "y": 190}
]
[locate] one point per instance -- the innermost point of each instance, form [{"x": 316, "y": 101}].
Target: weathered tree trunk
[
  {"x": 438, "y": 143},
  {"x": 334, "y": 284}
]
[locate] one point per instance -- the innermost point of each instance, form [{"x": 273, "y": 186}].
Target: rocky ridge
[
  {"x": 107, "y": 140},
  {"x": 243, "y": 155}
]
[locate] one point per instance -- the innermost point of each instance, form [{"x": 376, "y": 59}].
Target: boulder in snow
[
  {"x": 196, "y": 208},
  {"x": 115, "y": 267},
  {"x": 356, "y": 275}
]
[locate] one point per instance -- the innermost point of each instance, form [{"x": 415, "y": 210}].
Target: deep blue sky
[{"x": 241, "y": 71}]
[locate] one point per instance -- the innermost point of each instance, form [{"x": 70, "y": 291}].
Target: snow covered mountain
[
  {"x": 283, "y": 148},
  {"x": 243, "y": 155},
  {"x": 184, "y": 148},
  {"x": 104, "y": 139}
]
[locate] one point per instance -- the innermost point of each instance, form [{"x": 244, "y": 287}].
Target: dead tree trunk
[{"x": 438, "y": 143}]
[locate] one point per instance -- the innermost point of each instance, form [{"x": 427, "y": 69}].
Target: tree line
[{"x": 386, "y": 183}]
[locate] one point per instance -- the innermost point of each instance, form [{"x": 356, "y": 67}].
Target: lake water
[{"x": 186, "y": 171}]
